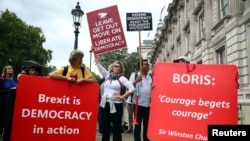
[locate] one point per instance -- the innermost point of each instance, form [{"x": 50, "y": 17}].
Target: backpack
[
  {"x": 123, "y": 88},
  {"x": 65, "y": 70},
  {"x": 100, "y": 83}
]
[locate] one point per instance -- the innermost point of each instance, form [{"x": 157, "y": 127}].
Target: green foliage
[
  {"x": 129, "y": 61},
  {"x": 20, "y": 42},
  {"x": 95, "y": 75}
]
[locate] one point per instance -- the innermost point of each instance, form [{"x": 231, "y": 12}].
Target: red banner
[
  {"x": 54, "y": 110},
  {"x": 106, "y": 30},
  {"x": 187, "y": 98}
]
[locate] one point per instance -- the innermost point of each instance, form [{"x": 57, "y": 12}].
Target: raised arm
[{"x": 101, "y": 69}]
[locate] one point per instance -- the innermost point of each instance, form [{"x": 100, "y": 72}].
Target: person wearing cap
[
  {"x": 181, "y": 59},
  {"x": 35, "y": 70}
]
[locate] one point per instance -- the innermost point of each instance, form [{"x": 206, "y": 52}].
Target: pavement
[{"x": 125, "y": 137}]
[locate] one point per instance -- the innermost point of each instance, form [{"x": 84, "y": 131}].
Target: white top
[
  {"x": 111, "y": 87},
  {"x": 131, "y": 79},
  {"x": 144, "y": 90}
]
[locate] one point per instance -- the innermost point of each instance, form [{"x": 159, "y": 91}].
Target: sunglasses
[{"x": 117, "y": 66}]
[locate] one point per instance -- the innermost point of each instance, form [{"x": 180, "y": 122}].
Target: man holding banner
[
  {"x": 57, "y": 110},
  {"x": 142, "y": 105}
]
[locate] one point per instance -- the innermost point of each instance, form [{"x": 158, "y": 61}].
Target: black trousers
[
  {"x": 3, "y": 106},
  {"x": 115, "y": 119},
  {"x": 9, "y": 111},
  {"x": 142, "y": 117}
]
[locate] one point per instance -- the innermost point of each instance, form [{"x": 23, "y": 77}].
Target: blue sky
[{"x": 55, "y": 19}]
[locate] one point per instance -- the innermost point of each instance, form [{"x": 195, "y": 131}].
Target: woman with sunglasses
[{"x": 112, "y": 101}]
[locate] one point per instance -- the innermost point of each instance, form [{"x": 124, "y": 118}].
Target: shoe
[{"x": 129, "y": 131}]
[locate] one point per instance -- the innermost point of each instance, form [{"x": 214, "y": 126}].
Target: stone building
[
  {"x": 208, "y": 32},
  {"x": 146, "y": 48}
]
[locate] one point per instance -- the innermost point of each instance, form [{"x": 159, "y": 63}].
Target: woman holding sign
[
  {"x": 7, "y": 82},
  {"x": 74, "y": 72},
  {"x": 112, "y": 100}
]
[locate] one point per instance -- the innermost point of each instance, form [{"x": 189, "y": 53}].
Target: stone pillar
[
  {"x": 237, "y": 7},
  {"x": 246, "y": 4}
]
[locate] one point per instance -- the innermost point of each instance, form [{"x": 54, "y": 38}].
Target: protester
[
  {"x": 130, "y": 104},
  {"x": 181, "y": 59},
  {"x": 112, "y": 100},
  {"x": 7, "y": 81},
  {"x": 74, "y": 72},
  {"x": 23, "y": 72},
  {"x": 35, "y": 70},
  {"x": 143, "y": 84},
  {"x": 100, "y": 127}
]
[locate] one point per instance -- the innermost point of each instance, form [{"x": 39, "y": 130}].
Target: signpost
[
  {"x": 106, "y": 30},
  {"x": 141, "y": 21}
]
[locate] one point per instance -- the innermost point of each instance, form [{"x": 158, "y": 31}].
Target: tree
[
  {"x": 130, "y": 61},
  {"x": 20, "y": 42}
]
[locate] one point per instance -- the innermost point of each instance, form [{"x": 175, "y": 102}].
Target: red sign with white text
[
  {"x": 54, "y": 110},
  {"x": 188, "y": 97},
  {"x": 106, "y": 30}
]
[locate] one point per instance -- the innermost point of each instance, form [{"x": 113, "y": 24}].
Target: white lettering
[{"x": 53, "y": 114}]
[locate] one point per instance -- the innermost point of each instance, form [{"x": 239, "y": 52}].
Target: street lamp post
[
  {"x": 90, "y": 53},
  {"x": 77, "y": 14}
]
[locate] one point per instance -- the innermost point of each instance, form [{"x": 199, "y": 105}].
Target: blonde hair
[
  {"x": 110, "y": 68},
  {"x": 74, "y": 55},
  {"x": 4, "y": 73}
]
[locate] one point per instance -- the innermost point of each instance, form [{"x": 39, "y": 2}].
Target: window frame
[
  {"x": 221, "y": 55},
  {"x": 202, "y": 25},
  {"x": 224, "y": 8}
]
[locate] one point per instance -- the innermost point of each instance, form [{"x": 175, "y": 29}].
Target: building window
[
  {"x": 202, "y": 26},
  {"x": 186, "y": 47},
  {"x": 197, "y": 2},
  {"x": 221, "y": 56},
  {"x": 187, "y": 10},
  {"x": 224, "y": 8}
]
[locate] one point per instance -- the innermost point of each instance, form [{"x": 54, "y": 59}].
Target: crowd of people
[
  {"x": 9, "y": 82},
  {"x": 136, "y": 98}
]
